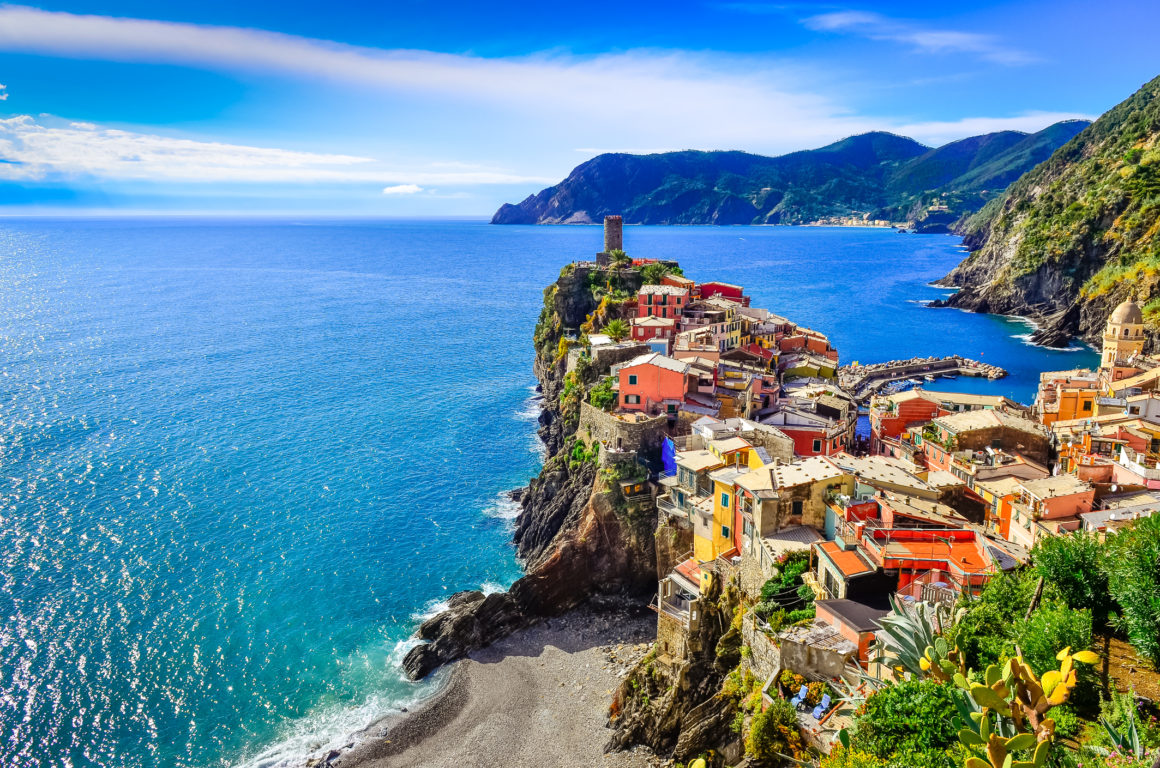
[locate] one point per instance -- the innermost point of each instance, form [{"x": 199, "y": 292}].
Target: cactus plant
[
  {"x": 909, "y": 642},
  {"x": 1006, "y": 712}
]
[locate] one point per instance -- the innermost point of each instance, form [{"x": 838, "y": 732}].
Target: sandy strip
[{"x": 538, "y": 698}]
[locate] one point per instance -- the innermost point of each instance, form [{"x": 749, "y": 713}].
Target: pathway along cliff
[{"x": 574, "y": 533}]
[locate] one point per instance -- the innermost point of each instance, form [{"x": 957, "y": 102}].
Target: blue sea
[{"x": 241, "y": 459}]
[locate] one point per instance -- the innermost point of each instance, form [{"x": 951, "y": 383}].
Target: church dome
[{"x": 1127, "y": 313}]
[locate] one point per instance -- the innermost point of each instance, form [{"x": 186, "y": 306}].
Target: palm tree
[
  {"x": 617, "y": 329},
  {"x": 619, "y": 258}
]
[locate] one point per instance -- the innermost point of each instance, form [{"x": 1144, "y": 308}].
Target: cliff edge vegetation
[{"x": 1076, "y": 235}]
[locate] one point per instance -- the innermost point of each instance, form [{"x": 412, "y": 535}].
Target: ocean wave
[
  {"x": 1026, "y": 339},
  {"x": 504, "y": 507},
  {"x": 339, "y": 727},
  {"x": 531, "y": 408}
]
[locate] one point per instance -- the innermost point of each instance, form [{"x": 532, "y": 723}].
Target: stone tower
[
  {"x": 1124, "y": 334},
  {"x": 613, "y": 234}
]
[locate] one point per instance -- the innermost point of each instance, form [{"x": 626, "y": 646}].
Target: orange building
[{"x": 654, "y": 383}]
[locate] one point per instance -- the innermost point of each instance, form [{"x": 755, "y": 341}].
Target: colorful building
[
  {"x": 653, "y": 384},
  {"x": 664, "y": 301}
]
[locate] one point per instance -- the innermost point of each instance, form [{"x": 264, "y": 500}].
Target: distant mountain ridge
[
  {"x": 1078, "y": 234},
  {"x": 879, "y": 175}
]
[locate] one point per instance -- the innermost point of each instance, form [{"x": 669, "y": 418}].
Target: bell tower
[{"x": 1123, "y": 336}]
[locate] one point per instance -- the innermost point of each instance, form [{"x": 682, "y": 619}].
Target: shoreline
[{"x": 537, "y": 697}]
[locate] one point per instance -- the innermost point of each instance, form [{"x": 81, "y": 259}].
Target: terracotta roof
[{"x": 848, "y": 561}]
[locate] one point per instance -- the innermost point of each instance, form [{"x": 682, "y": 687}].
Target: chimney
[{"x": 613, "y": 234}]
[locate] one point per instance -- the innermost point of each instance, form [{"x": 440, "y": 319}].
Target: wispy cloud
[
  {"x": 554, "y": 101},
  {"x": 402, "y": 189},
  {"x": 3, "y": 92},
  {"x": 875, "y": 26},
  {"x": 691, "y": 98},
  {"x": 935, "y": 133},
  {"x": 36, "y": 149}
]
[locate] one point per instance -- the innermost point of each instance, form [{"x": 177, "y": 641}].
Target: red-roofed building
[{"x": 725, "y": 291}]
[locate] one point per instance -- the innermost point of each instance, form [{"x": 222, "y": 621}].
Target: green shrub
[
  {"x": 914, "y": 716},
  {"x": 602, "y": 395},
  {"x": 1075, "y": 565},
  {"x": 774, "y": 732},
  {"x": 1134, "y": 581}
]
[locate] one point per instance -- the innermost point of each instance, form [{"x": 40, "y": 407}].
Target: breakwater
[{"x": 862, "y": 381}]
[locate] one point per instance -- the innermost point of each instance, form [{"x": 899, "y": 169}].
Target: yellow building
[
  {"x": 1123, "y": 339},
  {"x": 715, "y": 519}
]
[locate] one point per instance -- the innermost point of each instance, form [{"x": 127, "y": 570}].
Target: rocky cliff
[
  {"x": 573, "y": 533},
  {"x": 676, "y": 706},
  {"x": 1076, "y": 235},
  {"x": 889, "y": 177}
]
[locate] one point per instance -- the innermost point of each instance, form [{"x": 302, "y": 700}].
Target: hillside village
[{"x": 727, "y": 422}]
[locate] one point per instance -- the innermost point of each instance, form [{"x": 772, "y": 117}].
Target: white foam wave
[
  {"x": 338, "y": 726},
  {"x": 432, "y": 608},
  {"x": 1026, "y": 339},
  {"x": 504, "y": 507}
]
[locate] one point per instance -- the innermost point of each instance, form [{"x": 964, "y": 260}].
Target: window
[
  {"x": 632, "y": 378},
  {"x": 725, "y": 500},
  {"x": 1087, "y": 405},
  {"x": 817, "y": 446},
  {"x": 672, "y": 408},
  {"x": 797, "y": 507},
  {"x": 632, "y": 399},
  {"x": 724, "y": 531}
]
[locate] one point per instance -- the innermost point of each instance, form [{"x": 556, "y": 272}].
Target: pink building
[
  {"x": 651, "y": 328},
  {"x": 725, "y": 291},
  {"x": 664, "y": 301},
  {"x": 654, "y": 383}
]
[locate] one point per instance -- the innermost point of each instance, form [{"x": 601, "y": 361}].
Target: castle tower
[
  {"x": 1123, "y": 336},
  {"x": 613, "y": 234}
]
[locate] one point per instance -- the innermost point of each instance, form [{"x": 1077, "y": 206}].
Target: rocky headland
[
  {"x": 1076, "y": 235},
  {"x": 571, "y": 534}
]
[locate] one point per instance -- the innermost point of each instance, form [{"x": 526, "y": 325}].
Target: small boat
[
  {"x": 928, "y": 377},
  {"x": 949, "y": 376}
]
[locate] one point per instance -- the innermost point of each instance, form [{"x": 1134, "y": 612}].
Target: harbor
[{"x": 863, "y": 381}]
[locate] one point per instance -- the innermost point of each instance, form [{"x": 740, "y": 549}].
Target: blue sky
[{"x": 423, "y": 108}]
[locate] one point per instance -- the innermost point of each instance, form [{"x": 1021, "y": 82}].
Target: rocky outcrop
[
  {"x": 595, "y": 549},
  {"x": 1076, "y": 235},
  {"x": 574, "y": 534},
  {"x": 674, "y": 707}
]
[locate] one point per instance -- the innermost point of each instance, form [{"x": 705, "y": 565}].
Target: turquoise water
[{"x": 240, "y": 459}]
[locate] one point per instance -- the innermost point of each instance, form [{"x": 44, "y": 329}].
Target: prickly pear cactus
[{"x": 1005, "y": 715}]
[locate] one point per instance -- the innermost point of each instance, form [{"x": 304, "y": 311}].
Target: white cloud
[
  {"x": 37, "y": 149},
  {"x": 875, "y": 26},
  {"x": 3, "y": 92},
  {"x": 545, "y": 104},
  {"x": 680, "y": 98},
  {"x": 941, "y": 132},
  {"x": 402, "y": 189}
]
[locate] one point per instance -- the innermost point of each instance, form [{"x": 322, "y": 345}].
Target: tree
[
  {"x": 1134, "y": 580},
  {"x": 1075, "y": 564},
  {"x": 617, "y": 329},
  {"x": 619, "y": 258},
  {"x": 652, "y": 274},
  {"x": 602, "y": 395}
]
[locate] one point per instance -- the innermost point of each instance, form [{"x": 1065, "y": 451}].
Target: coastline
[{"x": 538, "y": 697}]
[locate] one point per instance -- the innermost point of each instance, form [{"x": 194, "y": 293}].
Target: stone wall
[
  {"x": 1032, "y": 445},
  {"x": 603, "y": 358},
  {"x": 672, "y": 639},
  {"x": 642, "y": 436},
  {"x": 764, "y": 657}
]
